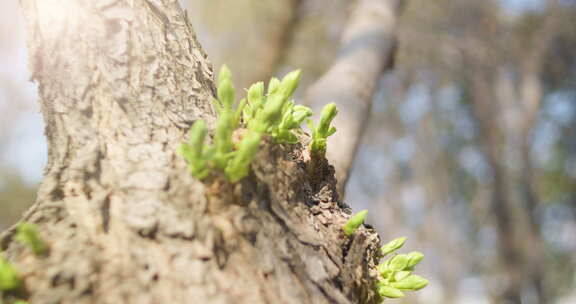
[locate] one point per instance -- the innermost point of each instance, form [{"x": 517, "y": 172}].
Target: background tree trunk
[
  {"x": 120, "y": 82},
  {"x": 367, "y": 49}
]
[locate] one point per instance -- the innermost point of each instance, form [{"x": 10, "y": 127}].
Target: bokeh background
[{"x": 471, "y": 147}]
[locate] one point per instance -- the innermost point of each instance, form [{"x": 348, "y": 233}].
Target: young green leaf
[
  {"x": 412, "y": 282},
  {"x": 392, "y": 245},
  {"x": 390, "y": 292},
  {"x": 354, "y": 222},
  {"x": 414, "y": 258},
  {"x": 384, "y": 270},
  {"x": 299, "y": 114},
  {"x": 399, "y": 262},
  {"x": 400, "y": 275},
  {"x": 290, "y": 83}
]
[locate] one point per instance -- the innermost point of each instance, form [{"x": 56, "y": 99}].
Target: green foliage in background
[
  {"x": 9, "y": 278},
  {"x": 396, "y": 272},
  {"x": 27, "y": 234},
  {"x": 273, "y": 114}
]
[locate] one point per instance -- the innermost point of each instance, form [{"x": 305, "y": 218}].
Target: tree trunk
[{"x": 120, "y": 82}]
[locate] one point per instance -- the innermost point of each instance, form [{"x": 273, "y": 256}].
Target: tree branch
[{"x": 367, "y": 47}]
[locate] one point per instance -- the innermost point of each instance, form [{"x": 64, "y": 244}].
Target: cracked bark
[{"x": 119, "y": 83}]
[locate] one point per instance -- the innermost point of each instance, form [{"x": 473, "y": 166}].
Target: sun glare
[{"x": 55, "y": 14}]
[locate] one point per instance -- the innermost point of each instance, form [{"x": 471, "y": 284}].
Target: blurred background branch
[{"x": 367, "y": 46}]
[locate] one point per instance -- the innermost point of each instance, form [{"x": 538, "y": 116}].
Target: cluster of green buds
[
  {"x": 27, "y": 234},
  {"x": 323, "y": 130},
  {"x": 396, "y": 272},
  {"x": 272, "y": 113},
  {"x": 202, "y": 158},
  {"x": 9, "y": 278}
]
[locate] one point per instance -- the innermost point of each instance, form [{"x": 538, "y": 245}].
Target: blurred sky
[
  {"x": 25, "y": 147},
  {"x": 519, "y": 6}
]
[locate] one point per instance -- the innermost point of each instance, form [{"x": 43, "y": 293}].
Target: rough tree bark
[{"x": 120, "y": 82}]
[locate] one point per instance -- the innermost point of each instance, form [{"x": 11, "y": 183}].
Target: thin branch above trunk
[{"x": 366, "y": 50}]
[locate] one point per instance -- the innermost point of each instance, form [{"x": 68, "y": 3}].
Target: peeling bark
[{"x": 120, "y": 82}]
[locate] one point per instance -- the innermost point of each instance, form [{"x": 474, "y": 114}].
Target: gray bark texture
[{"x": 120, "y": 82}]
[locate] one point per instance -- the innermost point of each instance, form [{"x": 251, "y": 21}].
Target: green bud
[
  {"x": 197, "y": 134},
  {"x": 271, "y": 114},
  {"x": 225, "y": 88},
  {"x": 414, "y": 258},
  {"x": 412, "y": 282},
  {"x": 240, "y": 163},
  {"x": 300, "y": 113},
  {"x": 383, "y": 269},
  {"x": 256, "y": 95},
  {"x": 255, "y": 101},
  {"x": 354, "y": 222},
  {"x": 400, "y": 275},
  {"x": 9, "y": 279},
  {"x": 399, "y": 262},
  {"x": 286, "y": 121},
  {"x": 224, "y": 74},
  {"x": 321, "y": 131},
  {"x": 239, "y": 111},
  {"x": 223, "y": 139},
  {"x": 327, "y": 115},
  {"x": 226, "y": 94},
  {"x": 27, "y": 234},
  {"x": 273, "y": 85},
  {"x": 290, "y": 83},
  {"x": 217, "y": 106},
  {"x": 386, "y": 291},
  {"x": 393, "y": 245},
  {"x": 193, "y": 151}
]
